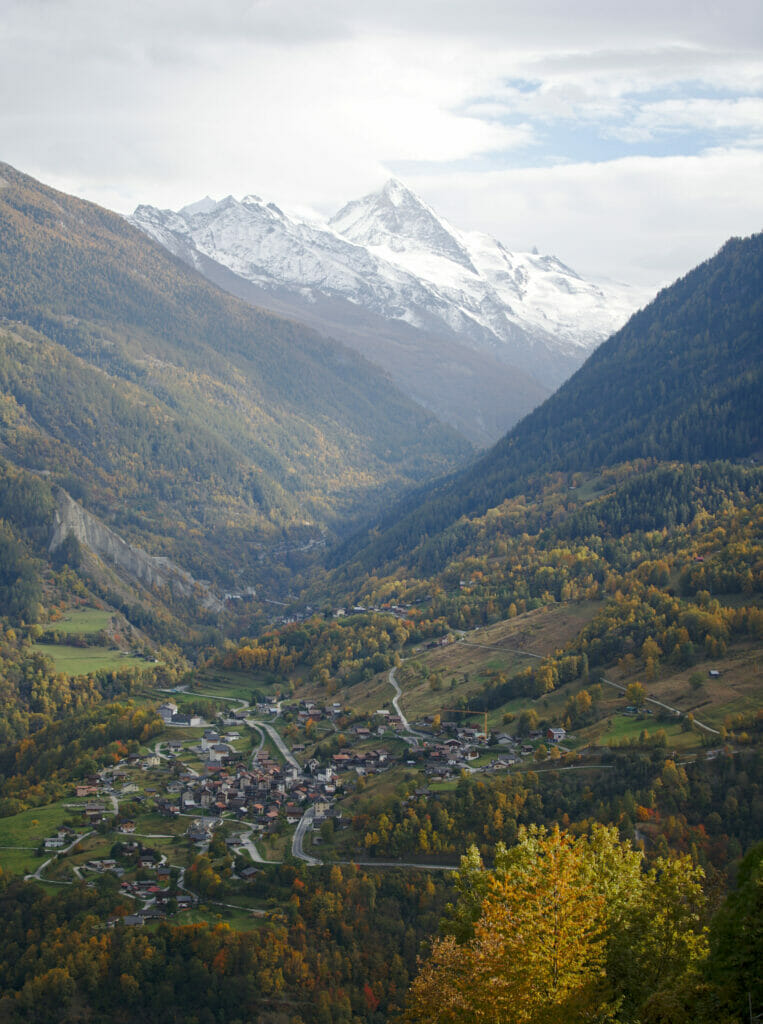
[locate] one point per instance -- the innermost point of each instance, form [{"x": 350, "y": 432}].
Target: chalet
[
  {"x": 151, "y": 914},
  {"x": 322, "y": 808},
  {"x": 556, "y": 735},
  {"x": 167, "y": 711},
  {"x": 209, "y": 739},
  {"x": 86, "y": 790},
  {"x": 57, "y": 841},
  {"x": 198, "y": 832},
  {"x": 293, "y": 814}
]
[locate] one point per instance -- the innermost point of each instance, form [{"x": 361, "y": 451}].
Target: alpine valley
[{"x": 312, "y": 715}]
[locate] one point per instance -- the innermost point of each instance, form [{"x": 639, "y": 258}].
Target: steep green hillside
[
  {"x": 190, "y": 421},
  {"x": 681, "y": 381}
]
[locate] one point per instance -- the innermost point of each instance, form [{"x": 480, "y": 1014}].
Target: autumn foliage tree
[{"x": 561, "y": 929}]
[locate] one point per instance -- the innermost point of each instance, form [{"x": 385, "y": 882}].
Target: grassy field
[
  {"x": 737, "y": 691},
  {"x": 273, "y": 847},
  {"x": 240, "y": 919},
  {"x": 21, "y": 834},
  {"x": 20, "y": 862},
  {"x": 81, "y": 620},
  {"x": 628, "y": 727},
  {"x": 230, "y": 683},
  {"x": 30, "y": 827},
  {"x": 503, "y": 648},
  {"x": 79, "y": 661}
]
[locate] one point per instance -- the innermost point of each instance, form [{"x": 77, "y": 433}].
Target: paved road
[
  {"x": 277, "y": 739},
  {"x": 261, "y": 744},
  {"x": 38, "y": 873},
  {"x": 304, "y": 823},
  {"x": 413, "y": 736},
  {"x": 254, "y": 853},
  {"x": 667, "y": 707}
]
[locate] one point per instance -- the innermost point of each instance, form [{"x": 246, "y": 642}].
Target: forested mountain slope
[
  {"x": 681, "y": 381},
  {"x": 187, "y": 419}
]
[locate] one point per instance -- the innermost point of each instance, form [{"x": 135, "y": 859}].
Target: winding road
[
  {"x": 277, "y": 739},
  {"x": 413, "y": 737},
  {"x": 304, "y": 823},
  {"x": 38, "y": 873},
  {"x": 666, "y": 707}
]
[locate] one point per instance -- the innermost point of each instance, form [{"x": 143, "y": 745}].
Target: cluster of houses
[
  {"x": 265, "y": 794},
  {"x": 446, "y": 757},
  {"x": 305, "y": 710}
]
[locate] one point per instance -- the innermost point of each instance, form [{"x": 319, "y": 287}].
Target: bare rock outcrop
[{"x": 152, "y": 571}]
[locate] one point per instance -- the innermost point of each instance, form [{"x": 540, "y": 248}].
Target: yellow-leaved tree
[{"x": 562, "y": 929}]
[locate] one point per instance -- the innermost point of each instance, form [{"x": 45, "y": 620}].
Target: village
[{"x": 234, "y": 786}]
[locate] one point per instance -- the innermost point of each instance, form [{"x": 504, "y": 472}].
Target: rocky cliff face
[{"x": 71, "y": 518}]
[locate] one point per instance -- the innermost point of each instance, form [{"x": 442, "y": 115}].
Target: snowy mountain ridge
[{"x": 395, "y": 259}]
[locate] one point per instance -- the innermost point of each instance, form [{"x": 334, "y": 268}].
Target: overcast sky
[{"x": 626, "y": 138}]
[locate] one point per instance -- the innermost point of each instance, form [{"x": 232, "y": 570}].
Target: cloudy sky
[{"x": 627, "y": 138}]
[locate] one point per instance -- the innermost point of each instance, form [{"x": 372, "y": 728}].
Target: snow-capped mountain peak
[
  {"x": 391, "y": 257},
  {"x": 396, "y": 219},
  {"x": 205, "y": 205}
]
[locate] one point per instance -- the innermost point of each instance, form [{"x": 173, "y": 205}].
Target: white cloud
[
  {"x": 313, "y": 103},
  {"x": 698, "y": 114},
  {"x": 641, "y": 220}
]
